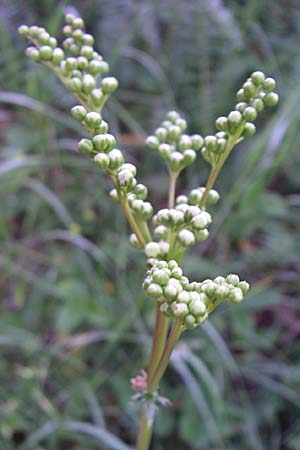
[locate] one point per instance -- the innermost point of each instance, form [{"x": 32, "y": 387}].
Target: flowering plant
[{"x": 180, "y": 303}]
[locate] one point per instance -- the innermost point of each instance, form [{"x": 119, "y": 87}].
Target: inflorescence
[
  {"x": 83, "y": 70},
  {"x": 190, "y": 302}
]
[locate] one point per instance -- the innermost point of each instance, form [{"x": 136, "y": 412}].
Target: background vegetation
[{"x": 74, "y": 324}]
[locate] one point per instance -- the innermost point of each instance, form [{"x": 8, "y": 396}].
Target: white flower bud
[
  {"x": 102, "y": 160},
  {"x": 233, "y": 279},
  {"x": 201, "y": 221},
  {"x": 184, "y": 297},
  {"x": 88, "y": 83},
  {"x": 236, "y": 295},
  {"x": 186, "y": 238},
  {"x": 109, "y": 85},
  {"x": 197, "y": 308},
  {"x": 179, "y": 309},
  {"x": 152, "y": 249}
]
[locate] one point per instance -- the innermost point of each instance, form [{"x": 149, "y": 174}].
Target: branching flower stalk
[{"x": 180, "y": 304}]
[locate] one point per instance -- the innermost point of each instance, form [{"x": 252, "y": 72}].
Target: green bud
[
  {"x": 185, "y": 142},
  {"x": 257, "y": 78},
  {"x": 116, "y": 159},
  {"x": 97, "y": 97},
  {"x": 197, "y": 142},
  {"x": 201, "y": 221},
  {"x": 160, "y": 277},
  {"x": 69, "y": 18},
  {"x": 93, "y": 119},
  {"x": 154, "y": 290},
  {"x": 179, "y": 309},
  {"x": 175, "y": 161},
  {"x": 172, "y": 116},
  {"x": 102, "y": 160},
  {"x": 241, "y": 106},
  {"x": 186, "y": 238},
  {"x": 88, "y": 83},
  {"x": 134, "y": 242},
  {"x": 165, "y": 151},
  {"x": 222, "y": 291},
  {"x": 173, "y": 133},
  {"x": 201, "y": 235},
  {"x": 181, "y": 123},
  {"x": 269, "y": 84},
  {"x": 240, "y": 96},
  {"x": 88, "y": 39},
  {"x": 234, "y": 120},
  {"x": 82, "y": 63},
  {"x": 170, "y": 291},
  {"x": 181, "y": 199},
  {"x": 79, "y": 112},
  {"x": 141, "y": 191},
  {"x": 71, "y": 63},
  {"x": 161, "y": 133},
  {"x": 102, "y": 128},
  {"x": 233, "y": 279},
  {"x": 222, "y": 143},
  {"x": 87, "y": 51},
  {"x": 33, "y": 53},
  {"x": 213, "y": 197},
  {"x": 189, "y": 156},
  {"x": 258, "y": 104},
  {"x": 270, "y": 99},
  {"x": 86, "y": 146},
  {"x": 23, "y": 30},
  {"x": 77, "y": 23},
  {"x": 147, "y": 212},
  {"x": 152, "y": 249},
  {"x": 249, "y": 89},
  {"x": 57, "y": 56},
  {"x": 114, "y": 194},
  {"x": 94, "y": 67},
  {"x": 244, "y": 286},
  {"x": 67, "y": 30},
  {"x": 152, "y": 142},
  {"x": 184, "y": 297},
  {"x": 44, "y": 38},
  {"x": 46, "y": 53},
  {"x": 236, "y": 295},
  {"x": 222, "y": 123},
  {"x": 194, "y": 197},
  {"x": 197, "y": 308},
  {"x": 161, "y": 232},
  {"x": 249, "y": 130},
  {"x": 211, "y": 143},
  {"x": 109, "y": 85},
  {"x": 250, "y": 114},
  {"x": 189, "y": 321},
  {"x": 75, "y": 84},
  {"x": 34, "y": 31}
]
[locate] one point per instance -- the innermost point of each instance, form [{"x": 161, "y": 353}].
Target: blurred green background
[{"x": 74, "y": 324}]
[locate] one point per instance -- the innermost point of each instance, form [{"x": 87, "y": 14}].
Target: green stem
[
  {"x": 159, "y": 340},
  {"x": 144, "y": 229},
  {"x": 127, "y": 211},
  {"x": 144, "y": 436},
  {"x": 172, "y": 189},
  {"x": 174, "y": 335},
  {"x": 217, "y": 168}
]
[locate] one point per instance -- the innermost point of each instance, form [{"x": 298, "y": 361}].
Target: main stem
[{"x": 160, "y": 352}]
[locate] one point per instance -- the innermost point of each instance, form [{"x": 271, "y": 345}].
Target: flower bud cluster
[
  {"x": 195, "y": 197},
  {"x": 174, "y": 146},
  {"x": 187, "y": 221},
  {"x": 190, "y": 302},
  {"x": 253, "y": 97},
  {"x": 79, "y": 65},
  {"x": 135, "y": 193}
]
